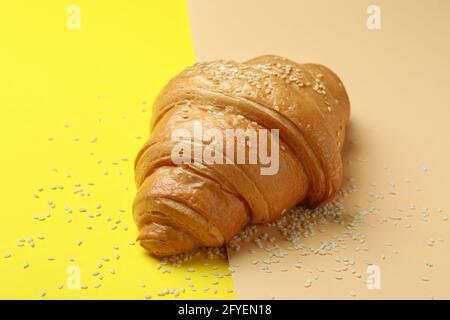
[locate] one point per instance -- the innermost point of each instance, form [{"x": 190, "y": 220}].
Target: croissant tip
[
  {"x": 159, "y": 249},
  {"x": 163, "y": 241}
]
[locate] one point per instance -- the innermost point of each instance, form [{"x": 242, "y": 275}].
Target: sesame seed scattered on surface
[{"x": 308, "y": 283}]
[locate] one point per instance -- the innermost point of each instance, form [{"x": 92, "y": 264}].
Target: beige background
[{"x": 398, "y": 80}]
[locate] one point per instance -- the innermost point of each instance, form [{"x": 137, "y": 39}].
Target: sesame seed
[{"x": 308, "y": 283}]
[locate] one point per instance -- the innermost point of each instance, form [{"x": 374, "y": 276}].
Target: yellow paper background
[{"x": 61, "y": 90}]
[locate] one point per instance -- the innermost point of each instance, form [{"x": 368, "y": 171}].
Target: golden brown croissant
[{"x": 183, "y": 206}]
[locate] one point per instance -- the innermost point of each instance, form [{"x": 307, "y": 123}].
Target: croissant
[{"x": 182, "y": 206}]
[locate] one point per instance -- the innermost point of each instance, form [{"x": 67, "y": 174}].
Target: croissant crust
[{"x": 181, "y": 207}]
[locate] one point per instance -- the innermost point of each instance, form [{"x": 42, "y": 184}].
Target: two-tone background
[{"x": 77, "y": 80}]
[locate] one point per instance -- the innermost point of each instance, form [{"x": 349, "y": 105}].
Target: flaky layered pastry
[{"x": 181, "y": 207}]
